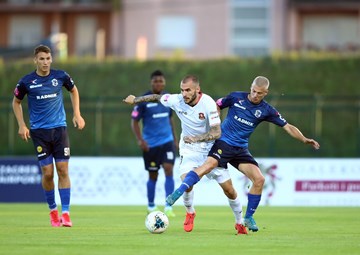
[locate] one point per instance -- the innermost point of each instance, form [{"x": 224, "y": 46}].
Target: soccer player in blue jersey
[
  {"x": 246, "y": 111},
  {"x": 43, "y": 88},
  {"x": 157, "y": 140}
]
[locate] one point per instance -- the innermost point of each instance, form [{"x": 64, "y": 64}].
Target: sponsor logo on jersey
[
  {"x": 182, "y": 112},
  {"x": 239, "y": 106},
  {"x": 258, "y": 113},
  {"x": 149, "y": 105},
  {"x": 244, "y": 121},
  {"x": 42, "y": 154},
  {"x": 46, "y": 96},
  {"x": 201, "y": 116},
  {"x": 34, "y": 81},
  {"x": 54, "y": 82},
  {"x": 160, "y": 115},
  {"x": 35, "y": 86}
]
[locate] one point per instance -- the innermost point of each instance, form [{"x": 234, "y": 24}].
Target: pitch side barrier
[{"x": 122, "y": 181}]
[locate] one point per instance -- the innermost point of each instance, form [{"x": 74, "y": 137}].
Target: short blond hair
[{"x": 261, "y": 81}]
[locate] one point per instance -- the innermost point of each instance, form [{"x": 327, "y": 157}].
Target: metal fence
[{"x": 333, "y": 120}]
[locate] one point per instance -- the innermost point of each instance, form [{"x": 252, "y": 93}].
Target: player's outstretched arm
[
  {"x": 131, "y": 99},
  {"x": 296, "y": 133},
  {"x": 213, "y": 134}
]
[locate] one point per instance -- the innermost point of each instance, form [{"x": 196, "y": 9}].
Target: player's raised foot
[
  {"x": 169, "y": 212},
  {"x": 189, "y": 222},
  {"x": 152, "y": 209},
  {"x": 65, "y": 220},
  {"x": 171, "y": 199},
  {"x": 250, "y": 223},
  {"x": 241, "y": 229},
  {"x": 54, "y": 218}
]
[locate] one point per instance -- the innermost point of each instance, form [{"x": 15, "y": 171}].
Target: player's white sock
[
  {"x": 188, "y": 198},
  {"x": 236, "y": 207}
]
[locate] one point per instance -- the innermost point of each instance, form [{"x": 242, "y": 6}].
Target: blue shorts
[
  {"x": 158, "y": 155},
  {"x": 225, "y": 153},
  {"x": 51, "y": 143}
]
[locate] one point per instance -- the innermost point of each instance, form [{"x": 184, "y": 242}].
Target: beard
[{"x": 191, "y": 100}]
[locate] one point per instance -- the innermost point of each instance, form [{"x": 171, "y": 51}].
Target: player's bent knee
[{"x": 259, "y": 181}]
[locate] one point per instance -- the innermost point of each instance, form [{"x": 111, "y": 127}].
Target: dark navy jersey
[
  {"x": 243, "y": 117},
  {"x": 156, "y": 122},
  {"x": 45, "y": 98}
]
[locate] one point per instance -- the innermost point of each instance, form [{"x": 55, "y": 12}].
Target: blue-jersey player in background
[
  {"x": 156, "y": 140},
  {"x": 43, "y": 88},
  {"x": 246, "y": 111}
]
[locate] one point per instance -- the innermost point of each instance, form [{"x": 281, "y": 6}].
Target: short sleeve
[
  {"x": 20, "y": 90},
  {"x": 68, "y": 82},
  {"x": 169, "y": 100},
  {"x": 136, "y": 113},
  {"x": 225, "y": 101},
  {"x": 213, "y": 115},
  {"x": 275, "y": 117}
]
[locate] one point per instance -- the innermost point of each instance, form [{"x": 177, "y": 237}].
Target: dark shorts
[
  {"x": 51, "y": 143},
  {"x": 158, "y": 155},
  {"x": 225, "y": 153}
]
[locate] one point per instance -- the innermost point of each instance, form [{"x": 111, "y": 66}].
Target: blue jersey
[
  {"x": 243, "y": 117},
  {"x": 45, "y": 98},
  {"x": 155, "y": 117}
]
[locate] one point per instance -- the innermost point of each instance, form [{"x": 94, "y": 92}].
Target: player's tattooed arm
[
  {"x": 147, "y": 98},
  {"x": 213, "y": 134},
  {"x": 131, "y": 99}
]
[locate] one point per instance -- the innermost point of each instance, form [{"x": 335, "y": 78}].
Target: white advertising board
[{"x": 289, "y": 182}]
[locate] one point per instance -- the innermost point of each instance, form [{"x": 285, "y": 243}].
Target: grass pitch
[{"x": 25, "y": 229}]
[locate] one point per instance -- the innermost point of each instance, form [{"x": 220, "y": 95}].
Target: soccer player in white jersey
[{"x": 200, "y": 126}]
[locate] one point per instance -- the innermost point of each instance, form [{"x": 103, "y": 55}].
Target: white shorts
[{"x": 190, "y": 160}]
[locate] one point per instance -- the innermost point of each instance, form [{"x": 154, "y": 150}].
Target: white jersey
[{"x": 195, "y": 120}]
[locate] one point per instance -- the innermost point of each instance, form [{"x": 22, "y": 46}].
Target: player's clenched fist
[{"x": 129, "y": 99}]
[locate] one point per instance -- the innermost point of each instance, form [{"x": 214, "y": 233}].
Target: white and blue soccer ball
[{"x": 156, "y": 222}]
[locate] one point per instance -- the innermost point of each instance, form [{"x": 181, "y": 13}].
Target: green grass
[{"x": 25, "y": 229}]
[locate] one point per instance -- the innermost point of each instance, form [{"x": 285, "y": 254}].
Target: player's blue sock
[
  {"x": 169, "y": 185},
  {"x": 50, "y": 199},
  {"x": 151, "y": 185},
  {"x": 253, "y": 202},
  {"x": 65, "y": 199},
  {"x": 190, "y": 180}
]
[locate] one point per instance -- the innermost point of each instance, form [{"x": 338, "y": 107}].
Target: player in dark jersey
[
  {"x": 48, "y": 127},
  {"x": 246, "y": 111},
  {"x": 156, "y": 140}
]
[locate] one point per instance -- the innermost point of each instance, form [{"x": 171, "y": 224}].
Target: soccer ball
[{"x": 156, "y": 222}]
